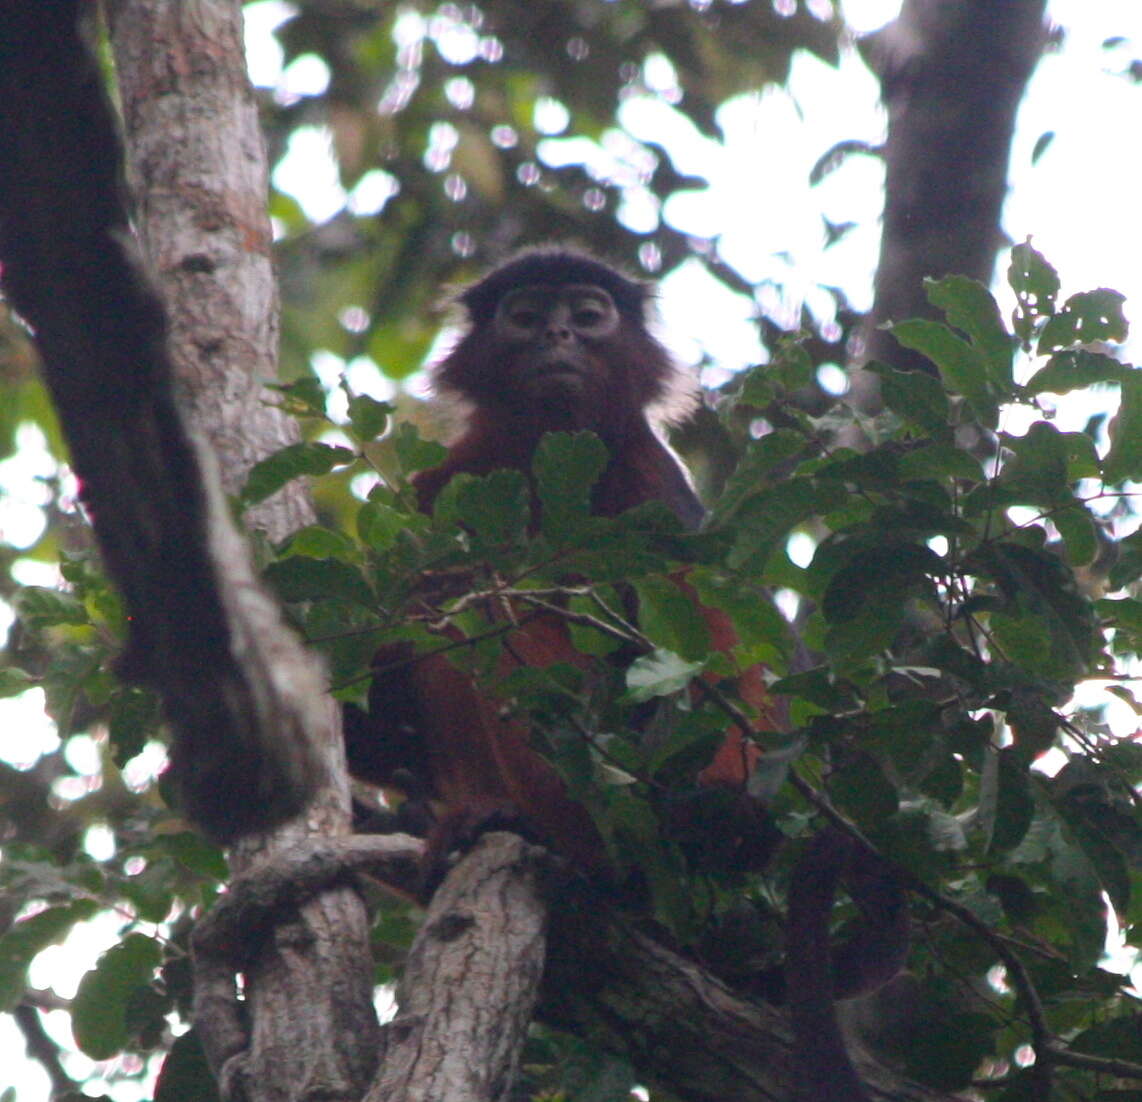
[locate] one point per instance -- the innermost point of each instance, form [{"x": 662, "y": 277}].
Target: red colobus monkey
[{"x": 557, "y": 341}]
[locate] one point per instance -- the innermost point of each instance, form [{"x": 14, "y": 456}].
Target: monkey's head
[{"x": 560, "y": 338}]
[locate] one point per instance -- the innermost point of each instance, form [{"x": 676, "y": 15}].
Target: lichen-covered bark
[
  {"x": 199, "y": 177},
  {"x": 470, "y": 984},
  {"x": 198, "y": 169}
]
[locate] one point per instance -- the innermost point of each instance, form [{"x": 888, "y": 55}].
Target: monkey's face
[{"x": 555, "y": 340}]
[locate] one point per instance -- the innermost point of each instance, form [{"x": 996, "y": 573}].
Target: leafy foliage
[
  {"x": 497, "y": 127},
  {"x": 951, "y": 603}
]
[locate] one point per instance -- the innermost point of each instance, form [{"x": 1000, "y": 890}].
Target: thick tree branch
[
  {"x": 676, "y": 1023},
  {"x": 198, "y": 164},
  {"x": 470, "y": 984},
  {"x": 243, "y": 697},
  {"x": 256, "y": 737},
  {"x": 231, "y": 937}
]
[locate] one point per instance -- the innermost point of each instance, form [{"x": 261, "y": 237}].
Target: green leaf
[
  {"x": 185, "y": 1075},
  {"x": 751, "y": 610},
  {"x": 791, "y": 368},
  {"x": 201, "y": 857},
  {"x": 872, "y": 631},
  {"x": 14, "y": 681},
  {"x": 1124, "y": 613},
  {"x": 304, "y": 397},
  {"x": 1129, "y": 566},
  {"x": 1037, "y": 471},
  {"x": 1050, "y": 627},
  {"x": 969, "y": 306},
  {"x": 496, "y": 507},
  {"x": 1082, "y": 456},
  {"x": 292, "y": 461},
  {"x": 1013, "y": 807},
  {"x": 1075, "y": 370},
  {"x": 319, "y": 542},
  {"x": 659, "y": 673},
  {"x": 1036, "y": 284},
  {"x": 415, "y": 453},
  {"x": 863, "y": 792},
  {"x": 98, "y": 1012},
  {"x": 41, "y": 608},
  {"x": 945, "y": 1049},
  {"x": 151, "y": 891},
  {"x": 300, "y": 578},
  {"x": 940, "y": 461},
  {"x": 670, "y": 618},
  {"x": 888, "y": 573},
  {"x": 816, "y": 686},
  {"x": 1042, "y": 143},
  {"x": 916, "y": 396},
  {"x": 1086, "y": 317},
  {"x": 585, "y": 638},
  {"x": 765, "y": 521},
  {"x": 1079, "y": 534},
  {"x": 567, "y": 466},
  {"x": 1116, "y": 1039},
  {"x": 962, "y": 367},
  {"x": 1025, "y": 640},
  {"x": 791, "y": 365},
  {"x": 1124, "y": 460},
  {"x": 25, "y": 938},
  {"x": 1084, "y": 911},
  {"x": 378, "y": 525},
  {"x": 368, "y": 417},
  {"x": 134, "y": 718},
  {"x": 760, "y": 457}
]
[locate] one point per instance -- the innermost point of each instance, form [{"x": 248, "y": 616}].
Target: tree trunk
[
  {"x": 197, "y": 165},
  {"x": 951, "y": 76}
]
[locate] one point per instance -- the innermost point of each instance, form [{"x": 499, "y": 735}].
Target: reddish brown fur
[
  {"x": 475, "y": 761},
  {"x": 630, "y": 378}
]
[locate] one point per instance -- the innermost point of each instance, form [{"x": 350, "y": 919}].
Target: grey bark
[
  {"x": 198, "y": 169},
  {"x": 199, "y": 179},
  {"x": 471, "y": 981},
  {"x": 952, "y": 74},
  {"x": 680, "y": 1026}
]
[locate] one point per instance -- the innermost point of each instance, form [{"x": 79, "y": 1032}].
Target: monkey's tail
[{"x": 816, "y": 974}]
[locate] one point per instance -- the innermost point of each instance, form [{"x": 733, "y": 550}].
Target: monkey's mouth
[{"x": 559, "y": 373}]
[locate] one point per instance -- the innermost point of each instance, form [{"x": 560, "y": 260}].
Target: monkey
[{"x": 558, "y": 341}]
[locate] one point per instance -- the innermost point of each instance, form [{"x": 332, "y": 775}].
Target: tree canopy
[{"x": 942, "y": 583}]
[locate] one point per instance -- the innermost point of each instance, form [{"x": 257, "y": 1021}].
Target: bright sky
[{"x": 1079, "y": 201}]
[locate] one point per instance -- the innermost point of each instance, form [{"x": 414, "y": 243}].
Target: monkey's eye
[
  {"x": 523, "y": 318},
  {"x": 588, "y": 317},
  {"x": 593, "y": 312}
]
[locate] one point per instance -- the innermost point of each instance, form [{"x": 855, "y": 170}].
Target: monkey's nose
[{"x": 557, "y": 333}]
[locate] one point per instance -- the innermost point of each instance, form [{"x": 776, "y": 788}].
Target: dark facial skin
[{"x": 552, "y": 336}]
